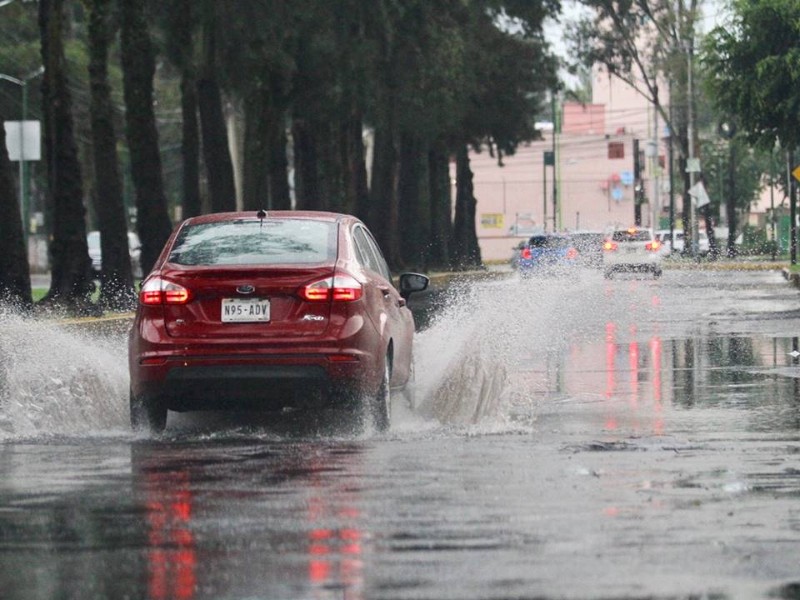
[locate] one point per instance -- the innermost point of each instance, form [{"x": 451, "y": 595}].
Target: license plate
[{"x": 244, "y": 310}]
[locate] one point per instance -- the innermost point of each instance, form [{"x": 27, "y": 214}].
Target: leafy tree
[
  {"x": 642, "y": 42},
  {"x": 138, "y": 62},
  {"x": 116, "y": 279},
  {"x": 71, "y": 282},
  {"x": 505, "y": 92},
  {"x": 754, "y": 68},
  {"x": 15, "y": 279}
]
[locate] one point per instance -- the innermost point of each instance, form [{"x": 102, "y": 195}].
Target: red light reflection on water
[
  {"x": 171, "y": 555},
  {"x": 640, "y": 367},
  {"x": 334, "y": 552}
]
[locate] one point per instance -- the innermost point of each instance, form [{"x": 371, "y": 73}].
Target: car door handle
[{"x": 384, "y": 290}]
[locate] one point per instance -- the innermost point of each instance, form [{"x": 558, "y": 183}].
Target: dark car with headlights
[{"x": 274, "y": 311}]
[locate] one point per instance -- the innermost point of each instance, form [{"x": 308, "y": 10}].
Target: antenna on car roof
[{"x": 261, "y": 214}]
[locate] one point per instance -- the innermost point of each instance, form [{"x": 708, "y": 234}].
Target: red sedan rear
[{"x": 271, "y": 311}]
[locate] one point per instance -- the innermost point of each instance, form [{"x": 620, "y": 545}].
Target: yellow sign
[
  {"x": 492, "y": 220},
  {"x": 796, "y": 173}
]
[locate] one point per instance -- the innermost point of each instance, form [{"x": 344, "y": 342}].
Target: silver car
[
  {"x": 631, "y": 250},
  {"x": 134, "y": 248}
]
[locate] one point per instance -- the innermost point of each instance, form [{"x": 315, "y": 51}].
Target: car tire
[
  {"x": 380, "y": 405},
  {"x": 148, "y": 414},
  {"x": 608, "y": 273},
  {"x": 657, "y": 272}
]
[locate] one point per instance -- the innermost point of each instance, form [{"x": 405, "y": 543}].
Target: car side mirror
[{"x": 412, "y": 282}]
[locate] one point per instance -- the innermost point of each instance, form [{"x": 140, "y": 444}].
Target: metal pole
[
  {"x": 544, "y": 193},
  {"x": 671, "y": 176},
  {"x": 690, "y": 130},
  {"x": 555, "y": 162},
  {"x": 792, "y": 209},
  {"x": 772, "y": 210}
]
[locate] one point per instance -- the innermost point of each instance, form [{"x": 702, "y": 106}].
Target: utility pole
[
  {"x": 555, "y": 167},
  {"x": 691, "y": 164},
  {"x": 637, "y": 185},
  {"x": 671, "y": 176}
]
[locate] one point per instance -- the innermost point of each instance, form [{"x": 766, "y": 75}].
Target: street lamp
[{"x": 23, "y": 175}]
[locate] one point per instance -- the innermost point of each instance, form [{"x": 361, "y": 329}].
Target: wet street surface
[{"x": 578, "y": 438}]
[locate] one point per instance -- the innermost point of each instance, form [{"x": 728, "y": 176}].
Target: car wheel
[
  {"x": 656, "y": 272},
  {"x": 608, "y": 273},
  {"x": 380, "y": 405},
  {"x": 147, "y": 414}
]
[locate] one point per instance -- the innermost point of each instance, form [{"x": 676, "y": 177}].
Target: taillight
[
  {"x": 609, "y": 246},
  {"x": 339, "y": 288},
  {"x": 161, "y": 291},
  {"x": 572, "y": 254},
  {"x": 525, "y": 254},
  {"x": 654, "y": 245}
]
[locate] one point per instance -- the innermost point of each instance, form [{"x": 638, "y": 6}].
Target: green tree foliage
[
  {"x": 754, "y": 70},
  {"x": 314, "y": 89}
]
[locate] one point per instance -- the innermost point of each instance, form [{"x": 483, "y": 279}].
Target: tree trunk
[
  {"x": 181, "y": 16},
  {"x": 279, "y": 193},
  {"x": 255, "y": 178},
  {"x": 330, "y": 165},
  {"x": 306, "y": 174},
  {"x": 356, "y": 192},
  {"x": 71, "y": 281},
  {"x": 413, "y": 198},
  {"x": 15, "y": 277},
  {"x": 441, "y": 208},
  {"x": 116, "y": 278},
  {"x": 152, "y": 217},
  {"x": 383, "y": 217},
  {"x": 466, "y": 252},
  {"x": 215, "y": 133}
]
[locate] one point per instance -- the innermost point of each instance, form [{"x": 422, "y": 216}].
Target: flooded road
[{"x": 573, "y": 439}]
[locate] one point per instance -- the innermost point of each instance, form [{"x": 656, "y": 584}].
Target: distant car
[
  {"x": 633, "y": 249},
  {"x": 273, "y": 311},
  {"x": 515, "y": 254},
  {"x": 589, "y": 245},
  {"x": 95, "y": 253},
  {"x": 667, "y": 247},
  {"x": 547, "y": 254}
]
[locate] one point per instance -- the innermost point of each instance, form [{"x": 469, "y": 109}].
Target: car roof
[{"x": 314, "y": 215}]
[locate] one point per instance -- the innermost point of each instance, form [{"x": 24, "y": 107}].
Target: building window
[{"x": 616, "y": 150}]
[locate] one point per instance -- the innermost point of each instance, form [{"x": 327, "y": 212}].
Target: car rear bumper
[
  {"x": 646, "y": 261},
  {"x": 265, "y": 382}
]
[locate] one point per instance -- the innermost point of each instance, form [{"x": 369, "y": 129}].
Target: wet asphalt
[{"x": 573, "y": 438}]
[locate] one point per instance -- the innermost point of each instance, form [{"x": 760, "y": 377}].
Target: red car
[{"x": 277, "y": 310}]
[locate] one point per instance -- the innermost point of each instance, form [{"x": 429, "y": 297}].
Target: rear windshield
[
  {"x": 640, "y": 235},
  {"x": 250, "y": 242},
  {"x": 546, "y": 241}
]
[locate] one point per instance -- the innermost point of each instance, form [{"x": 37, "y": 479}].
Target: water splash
[
  {"x": 58, "y": 382},
  {"x": 481, "y": 359}
]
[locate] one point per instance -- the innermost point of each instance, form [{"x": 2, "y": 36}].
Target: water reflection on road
[{"x": 575, "y": 439}]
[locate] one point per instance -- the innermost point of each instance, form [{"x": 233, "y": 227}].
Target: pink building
[{"x": 593, "y": 171}]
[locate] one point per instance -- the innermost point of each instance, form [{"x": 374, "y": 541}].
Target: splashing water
[
  {"x": 59, "y": 382},
  {"x": 473, "y": 361},
  {"x": 477, "y": 362}
]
